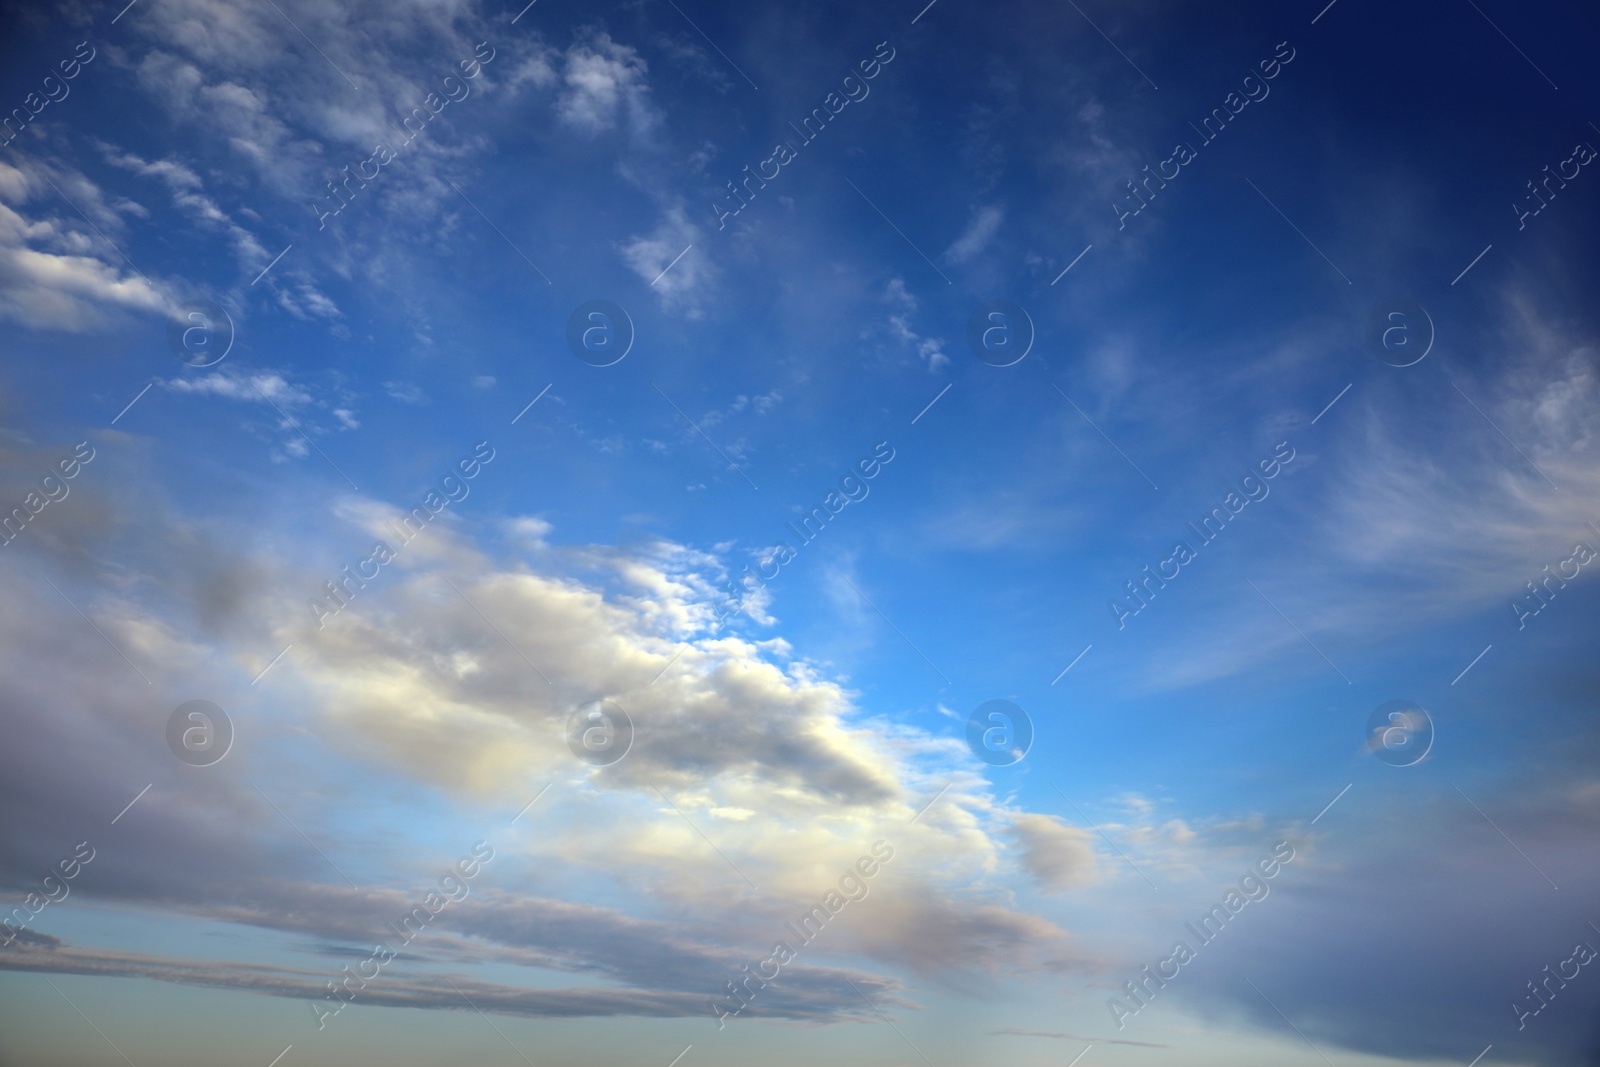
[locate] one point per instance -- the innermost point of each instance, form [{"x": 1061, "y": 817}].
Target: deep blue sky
[{"x": 1228, "y": 321}]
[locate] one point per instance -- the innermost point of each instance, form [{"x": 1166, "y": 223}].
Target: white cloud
[
  {"x": 54, "y": 275},
  {"x": 929, "y": 349},
  {"x": 1424, "y": 513},
  {"x": 405, "y": 392},
  {"x": 683, "y": 286},
  {"x": 976, "y": 237},
  {"x": 235, "y": 385},
  {"x": 435, "y": 694},
  {"x": 604, "y": 82},
  {"x": 299, "y": 297},
  {"x": 895, "y": 294}
]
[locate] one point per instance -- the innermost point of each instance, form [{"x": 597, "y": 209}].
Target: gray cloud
[{"x": 1414, "y": 940}]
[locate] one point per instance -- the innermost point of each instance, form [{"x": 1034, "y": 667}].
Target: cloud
[
  {"x": 604, "y": 84},
  {"x": 185, "y": 186},
  {"x": 1423, "y": 512},
  {"x": 949, "y": 940},
  {"x": 236, "y": 385},
  {"x": 724, "y": 711},
  {"x": 929, "y": 349},
  {"x": 294, "y": 122},
  {"x": 406, "y": 392},
  {"x": 441, "y": 693},
  {"x": 761, "y": 405},
  {"x": 1060, "y": 857},
  {"x": 426, "y": 690},
  {"x": 1383, "y": 948},
  {"x": 537, "y": 67},
  {"x": 976, "y": 237},
  {"x": 54, "y": 275},
  {"x": 680, "y": 282},
  {"x": 1012, "y": 1031},
  {"x": 807, "y": 993},
  {"x": 292, "y": 407}
]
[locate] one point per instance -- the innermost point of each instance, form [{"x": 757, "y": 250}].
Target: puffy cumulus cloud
[
  {"x": 464, "y": 674},
  {"x": 55, "y": 272},
  {"x": 603, "y": 84},
  {"x": 1060, "y": 857},
  {"x": 421, "y": 676},
  {"x": 747, "y": 763},
  {"x": 985, "y": 223}
]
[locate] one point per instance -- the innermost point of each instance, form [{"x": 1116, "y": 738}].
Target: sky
[{"x": 678, "y": 533}]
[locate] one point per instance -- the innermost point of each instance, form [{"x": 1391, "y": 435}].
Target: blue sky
[{"x": 1222, "y": 347}]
